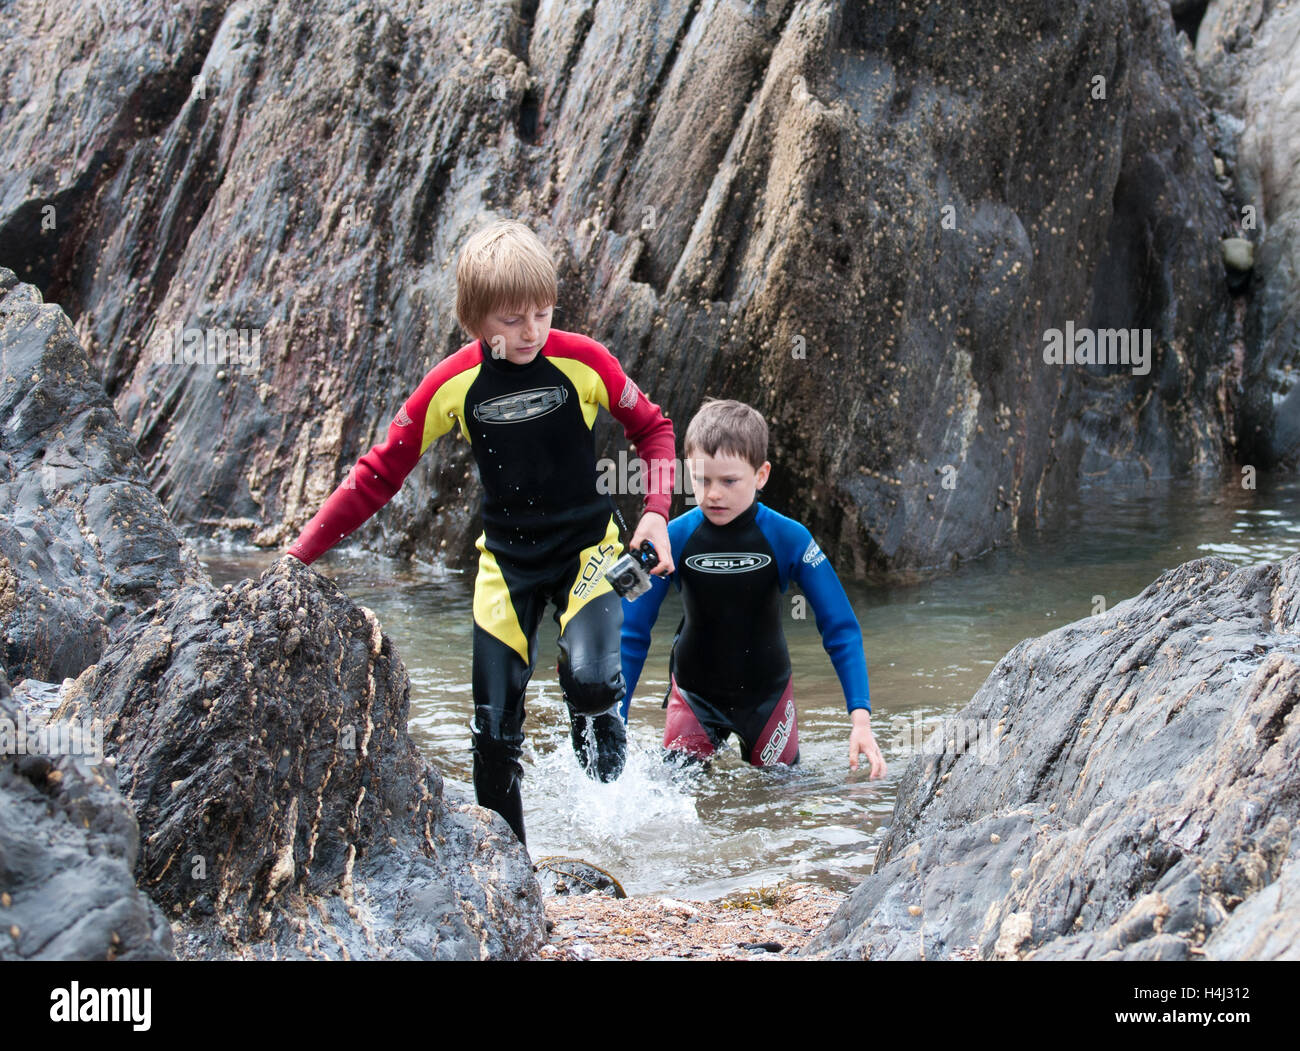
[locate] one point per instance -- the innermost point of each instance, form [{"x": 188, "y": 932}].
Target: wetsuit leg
[
  {"x": 507, "y": 609},
  {"x": 683, "y": 731},
  {"x": 590, "y": 666},
  {"x": 769, "y": 733},
  {"x": 500, "y": 678}
]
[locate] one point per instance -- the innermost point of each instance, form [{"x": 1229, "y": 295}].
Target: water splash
[{"x": 609, "y": 824}]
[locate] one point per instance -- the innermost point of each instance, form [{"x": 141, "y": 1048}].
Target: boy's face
[
  {"x": 724, "y": 484},
  {"x": 516, "y": 335}
]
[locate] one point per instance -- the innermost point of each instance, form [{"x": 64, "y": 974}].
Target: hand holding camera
[{"x": 630, "y": 575}]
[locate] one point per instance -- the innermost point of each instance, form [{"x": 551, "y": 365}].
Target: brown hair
[
  {"x": 727, "y": 426},
  {"x": 502, "y": 265}
]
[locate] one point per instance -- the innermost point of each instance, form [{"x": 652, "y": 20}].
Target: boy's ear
[{"x": 761, "y": 475}]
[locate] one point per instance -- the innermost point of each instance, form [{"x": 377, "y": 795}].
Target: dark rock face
[
  {"x": 68, "y": 845},
  {"x": 1245, "y": 50},
  {"x": 861, "y": 218},
  {"x": 261, "y": 736},
  {"x": 1143, "y": 801},
  {"x": 84, "y": 543}
]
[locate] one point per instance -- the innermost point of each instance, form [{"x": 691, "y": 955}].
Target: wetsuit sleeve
[
  {"x": 838, "y": 624},
  {"x": 643, "y": 422},
  {"x": 376, "y": 477},
  {"x": 638, "y": 618}
]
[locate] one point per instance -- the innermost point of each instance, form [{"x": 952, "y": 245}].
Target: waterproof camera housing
[{"x": 630, "y": 576}]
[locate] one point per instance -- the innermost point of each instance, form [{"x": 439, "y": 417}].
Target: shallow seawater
[{"x": 704, "y": 834}]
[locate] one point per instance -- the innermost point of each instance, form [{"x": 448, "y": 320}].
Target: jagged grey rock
[
  {"x": 1146, "y": 791},
  {"x": 68, "y": 846},
  {"x": 1246, "y": 53},
  {"x": 84, "y": 543},
  {"x": 860, "y": 218},
  {"x": 261, "y": 734},
  {"x": 1267, "y": 925}
]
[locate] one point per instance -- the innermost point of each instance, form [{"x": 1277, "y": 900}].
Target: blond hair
[
  {"x": 731, "y": 427},
  {"x": 503, "y": 265}
]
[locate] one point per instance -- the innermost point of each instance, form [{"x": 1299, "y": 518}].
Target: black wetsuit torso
[{"x": 728, "y": 573}]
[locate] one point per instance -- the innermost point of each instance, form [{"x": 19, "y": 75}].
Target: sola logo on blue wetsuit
[
  {"x": 526, "y": 405},
  {"x": 729, "y": 562}
]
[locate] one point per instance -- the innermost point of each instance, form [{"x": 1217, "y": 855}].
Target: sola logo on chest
[
  {"x": 729, "y": 562},
  {"x": 526, "y": 405}
]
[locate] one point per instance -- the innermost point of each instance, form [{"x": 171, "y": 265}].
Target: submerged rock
[
  {"x": 563, "y": 876},
  {"x": 1141, "y": 803},
  {"x": 68, "y": 847}
]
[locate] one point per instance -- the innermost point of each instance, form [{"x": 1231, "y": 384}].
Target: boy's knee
[{"x": 593, "y": 687}]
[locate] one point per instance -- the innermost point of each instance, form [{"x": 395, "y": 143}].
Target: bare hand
[
  {"x": 863, "y": 742},
  {"x": 654, "y": 527}
]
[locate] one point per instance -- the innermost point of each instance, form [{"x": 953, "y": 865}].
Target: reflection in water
[{"x": 929, "y": 646}]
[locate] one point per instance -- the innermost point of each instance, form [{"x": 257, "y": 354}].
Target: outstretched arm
[
  {"x": 842, "y": 639},
  {"x": 376, "y": 477},
  {"x": 836, "y": 621}
]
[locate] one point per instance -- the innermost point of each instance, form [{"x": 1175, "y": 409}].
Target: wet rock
[
  {"x": 1246, "y": 54},
  {"x": 84, "y": 543},
  {"x": 287, "y": 812},
  {"x": 561, "y": 876},
  {"x": 68, "y": 847},
  {"x": 1144, "y": 791},
  {"x": 864, "y": 214}
]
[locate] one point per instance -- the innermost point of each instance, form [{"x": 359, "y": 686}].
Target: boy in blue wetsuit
[{"x": 730, "y": 669}]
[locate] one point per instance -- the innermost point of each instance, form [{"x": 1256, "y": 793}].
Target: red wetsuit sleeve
[
  {"x": 643, "y": 422},
  {"x": 376, "y": 477}
]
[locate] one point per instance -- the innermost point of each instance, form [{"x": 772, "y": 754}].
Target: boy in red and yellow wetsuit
[{"x": 525, "y": 396}]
